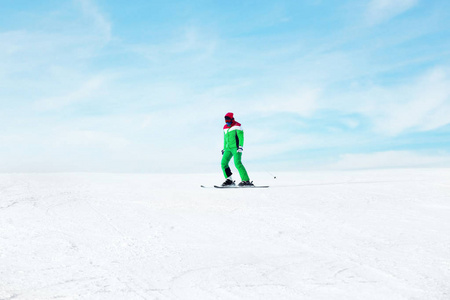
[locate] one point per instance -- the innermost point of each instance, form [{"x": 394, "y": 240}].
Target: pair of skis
[{"x": 236, "y": 186}]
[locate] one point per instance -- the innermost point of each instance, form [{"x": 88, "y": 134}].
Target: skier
[{"x": 232, "y": 147}]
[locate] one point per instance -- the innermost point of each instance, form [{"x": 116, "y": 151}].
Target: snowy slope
[{"x": 328, "y": 235}]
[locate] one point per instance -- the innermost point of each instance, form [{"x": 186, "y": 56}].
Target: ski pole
[{"x": 274, "y": 177}]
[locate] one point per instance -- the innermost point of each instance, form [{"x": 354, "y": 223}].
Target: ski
[
  {"x": 242, "y": 187},
  {"x": 236, "y": 187}
]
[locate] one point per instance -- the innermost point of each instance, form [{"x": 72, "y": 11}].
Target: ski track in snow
[{"x": 380, "y": 234}]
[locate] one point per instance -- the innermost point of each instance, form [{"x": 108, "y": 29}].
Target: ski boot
[
  {"x": 246, "y": 183},
  {"x": 228, "y": 182}
]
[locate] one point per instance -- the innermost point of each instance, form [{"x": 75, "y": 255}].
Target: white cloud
[
  {"x": 382, "y": 10},
  {"x": 187, "y": 48},
  {"x": 302, "y": 101},
  {"x": 54, "y": 58},
  {"x": 270, "y": 143},
  {"x": 85, "y": 92},
  {"x": 103, "y": 25},
  {"x": 194, "y": 39},
  {"x": 420, "y": 105},
  {"x": 390, "y": 159},
  {"x": 84, "y": 138}
]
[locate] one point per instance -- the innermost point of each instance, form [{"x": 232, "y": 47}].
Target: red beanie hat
[{"x": 230, "y": 115}]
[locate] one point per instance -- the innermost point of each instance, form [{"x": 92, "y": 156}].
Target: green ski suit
[{"x": 233, "y": 140}]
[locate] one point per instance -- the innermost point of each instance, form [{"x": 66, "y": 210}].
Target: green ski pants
[{"x": 227, "y": 155}]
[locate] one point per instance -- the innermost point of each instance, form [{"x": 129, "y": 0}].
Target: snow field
[{"x": 381, "y": 234}]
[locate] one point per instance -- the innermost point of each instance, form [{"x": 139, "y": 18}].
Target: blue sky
[{"x": 142, "y": 86}]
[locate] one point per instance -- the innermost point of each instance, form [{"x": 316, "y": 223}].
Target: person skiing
[{"x": 233, "y": 143}]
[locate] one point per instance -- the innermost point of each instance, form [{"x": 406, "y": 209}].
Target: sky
[{"x": 142, "y": 86}]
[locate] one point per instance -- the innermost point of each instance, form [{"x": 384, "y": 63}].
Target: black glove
[{"x": 223, "y": 151}]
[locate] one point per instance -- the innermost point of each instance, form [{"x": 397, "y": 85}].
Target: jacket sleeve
[{"x": 240, "y": 135}]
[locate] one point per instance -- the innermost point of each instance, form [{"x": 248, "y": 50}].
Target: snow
[{"x": 379, "y": 234}]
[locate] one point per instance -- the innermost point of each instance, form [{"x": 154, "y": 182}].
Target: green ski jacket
[{"x": 233, "y": 136}]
